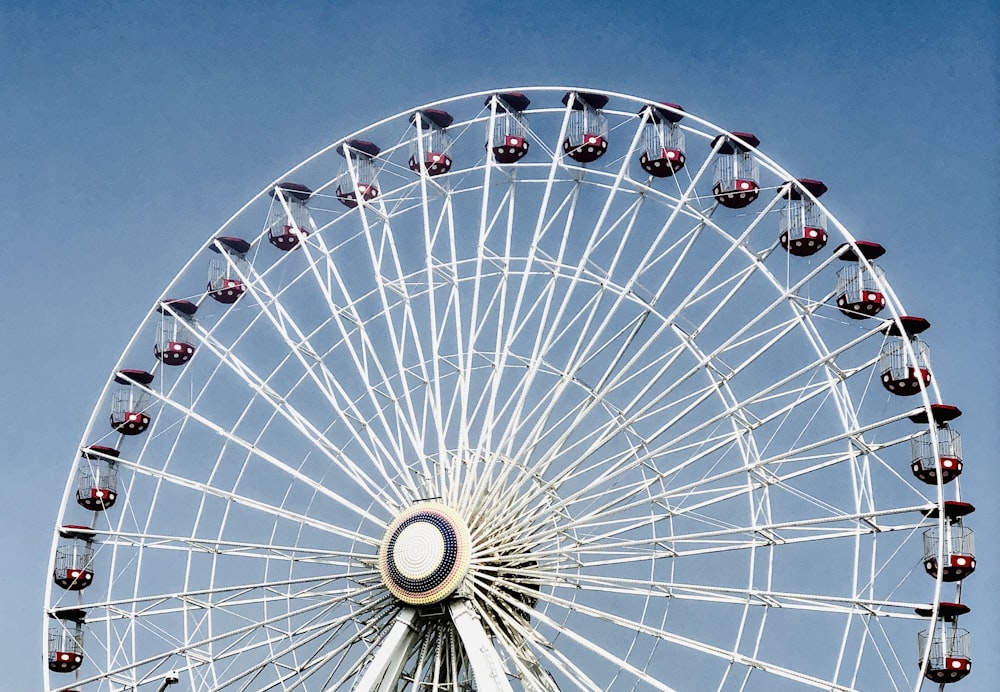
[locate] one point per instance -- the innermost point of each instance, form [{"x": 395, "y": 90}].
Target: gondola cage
[
  {"x": 950, "y": 656},
  {"x": 587, "y": 130},
  {"x": 958, "y": 548},
  {"x": 66, "y": 640},
  {"x": 356, "y": 178},
  {"x": 129, "y": 405},
  {"x": 802, "y": 223},
  {"x": 904, "y": 361},
  {"x": 97, "y": 478},
  {"x": 926, "y": 464},
  {"x": 736, "y": 172},
  {"x": 661, "y": 152},
  {"x": 859, "y": 284},
  {"x": 173, "y": 342},
  {"x": 226, "y": 272},
  {"x": 430, "y": 148},
  {"x": 73, "y": 569},
  {"x": 509, "y": 133},
  {"x": 288, "y": 220},
  {"x": 936, "y": 451}
]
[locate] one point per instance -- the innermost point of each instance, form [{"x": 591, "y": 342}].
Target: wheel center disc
[{"x": 424, "y": 554}]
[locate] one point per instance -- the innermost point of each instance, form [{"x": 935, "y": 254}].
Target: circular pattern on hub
[{"x": 424, "y": 554}]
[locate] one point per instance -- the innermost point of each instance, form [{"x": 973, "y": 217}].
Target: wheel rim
[{"x": 670, "y": 450}]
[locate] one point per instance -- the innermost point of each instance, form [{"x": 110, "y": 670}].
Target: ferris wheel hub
[{"x": 424, "y": 555}]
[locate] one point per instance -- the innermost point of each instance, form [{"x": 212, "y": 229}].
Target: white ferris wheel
[{"x": 541, "y": 389}]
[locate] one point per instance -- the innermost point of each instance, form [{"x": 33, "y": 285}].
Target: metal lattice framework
[{"x": 668, "y": 450}]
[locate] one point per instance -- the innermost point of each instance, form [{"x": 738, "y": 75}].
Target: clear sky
[{"x": 130, "y": 131}]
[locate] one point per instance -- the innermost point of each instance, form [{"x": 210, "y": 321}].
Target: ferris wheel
[{"x": 540, "y": 388}]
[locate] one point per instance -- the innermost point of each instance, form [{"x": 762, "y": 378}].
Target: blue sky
[{"x": 129, "y": 131}]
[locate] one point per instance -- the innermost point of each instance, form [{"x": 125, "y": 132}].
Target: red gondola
[
  {"x": 859, "y": 284},
  {"x": 356, "y": 179},
  {"x": 946, "y": 646},
  {"x": 429, "y": 149},
  {"x": 73, "y": 568},
  {"x": 587, "y": 131},
  {"x": 97, "y": 482},
  {"x": 662, "y": 148},
  {"x": 736, "y": 179},
  {"x": 956, "y": 543},
  {"x": 128, "y": 406},
  {"x": 905, "y": 360},
  {"x": 509, "y": 137},
  {"x": 802, "y": 222},
  {"x": 173, "y": 345},
  {"x": 957, "y": 546},
  {"x": 66, "y": 640},
  {"x": 938, "y": 453},
  {"x": 288, "y": 221},
  {"x": 225, "y": 275}
]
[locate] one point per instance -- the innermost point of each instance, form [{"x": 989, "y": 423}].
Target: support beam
[
  {"x": 487, "y": 668},
  {"x": 383, "y": 672}
]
